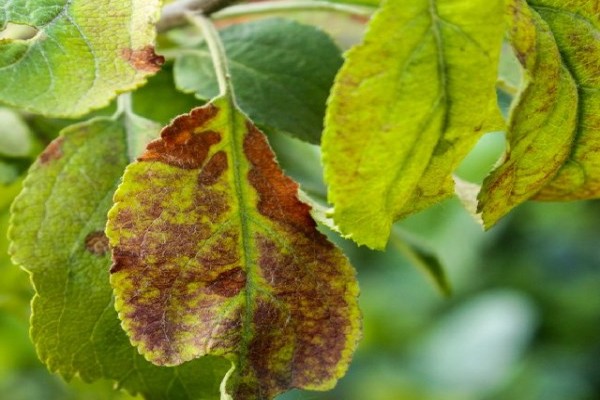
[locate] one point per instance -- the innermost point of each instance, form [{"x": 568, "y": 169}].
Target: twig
[{"x": 173, "y": 14}]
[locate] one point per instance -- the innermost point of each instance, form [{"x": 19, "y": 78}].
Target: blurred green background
[{"x": 523, "y": 322}]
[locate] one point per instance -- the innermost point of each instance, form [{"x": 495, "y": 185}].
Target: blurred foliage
[{"x": 523, "y": 322}]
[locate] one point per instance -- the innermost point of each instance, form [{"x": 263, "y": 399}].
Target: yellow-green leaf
[
  {"x": 575, "y": 25},
  {"x": 554, "y": 125},
  {"x": 407, "y": 106},
  {"x": 84, "y": 52},
  {"x": 214, "y": 254}
]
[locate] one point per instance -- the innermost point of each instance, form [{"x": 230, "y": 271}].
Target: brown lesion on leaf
[
  {"x": 213, "y": 169},
  {"x": 184, "y": 144},
  {"x": 228, "y": 283},
  {"x": 52, "y": 152},
  {"x": 278, "y": 194},
  {"x": 144, "y": 59},
  {"x": 97, "y": 243}
]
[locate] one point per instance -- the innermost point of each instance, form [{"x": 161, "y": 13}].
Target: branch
[{"x": 174, "y": 14}]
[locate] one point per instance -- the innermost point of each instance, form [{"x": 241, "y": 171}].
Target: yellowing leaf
[
  {"x": 575, "y": 26},
  {"x": 407, "y": 106},
  {"x": 554, "y": 124},
  {"x": 214, "y": 254},
  {"x": 84, "y": 52}
]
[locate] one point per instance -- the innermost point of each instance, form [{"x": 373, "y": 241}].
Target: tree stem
[
  {"x": 290, "y": 6},
  {"x": 173, "y": 14}
]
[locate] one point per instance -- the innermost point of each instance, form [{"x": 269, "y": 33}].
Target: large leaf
[
  {"x": 407, "y": 106},
  {"x": 57, "y": 235},
  {"x": 281, "y": 80},
  {"x": 543, "y": 123},
  {"x": 214, "y": 254},
  {"x": 83, "y": 53}
]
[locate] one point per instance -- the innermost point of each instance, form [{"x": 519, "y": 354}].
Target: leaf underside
[
  {"x": 430, "y": 95},
  {"x": 84, "y": 52},
  {"x": 554, "y": 125},
  {"x": 57, "y": 234},
  {"x": 214, "y": 254}
]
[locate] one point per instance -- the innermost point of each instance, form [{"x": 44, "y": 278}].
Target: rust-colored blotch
[{"x": 144, "y": 59}]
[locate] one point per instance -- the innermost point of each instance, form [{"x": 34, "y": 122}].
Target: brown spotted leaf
[{"x": 214, "y": 254}]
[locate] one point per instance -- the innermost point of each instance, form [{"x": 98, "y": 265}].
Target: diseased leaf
[
  {"x": 57, "y": 233},
  {"x": 397, "y": 127},
  {"x": 575, "y": 26},
  {"x": 282, "y": 80},
  {"x": 84, "y": 52},
  {"x": 214, "y": 254},
  {"x": 543, "y": 123}
]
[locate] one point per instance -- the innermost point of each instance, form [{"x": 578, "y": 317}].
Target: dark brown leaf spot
[
  {"x": 278, "y": 193},
  {"x": 52, "y": 152},
  {"x": 184, "y": 144},
  {"x": 96, "y": 243},
  {"x": 144, "y": 59},
  {"x": 213, "y": 169},
  {"x": 228, "y": 283}
]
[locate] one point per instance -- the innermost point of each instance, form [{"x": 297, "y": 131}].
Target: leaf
[
  {"x": 424, "y": 259},
  {"x": 397, "y": 128},
  {"x": 172, "y": 101},
  {"x": 57, "y": 236},
  {"x": 84, "y": 52},
  {"x": 282, "y": 80},
  {"x": 544, "y": 122},
  {"x": 214, "y": 254},
  {"x": 575, "y": 26}
]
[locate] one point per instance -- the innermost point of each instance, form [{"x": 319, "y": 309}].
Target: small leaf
[
  {"x": 406, "y": 107},
  {"x": 57, "y": 233},
  {"x": 214, "y": 254},
  {"x": 424, "y": 259},
  {"x": 543, "y": 123},
  {"x": 83, "y": 53},
  {"x": 282, "y": 80}
]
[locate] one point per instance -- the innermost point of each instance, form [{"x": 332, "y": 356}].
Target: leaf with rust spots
[
  {"x": 84, "y": 52},
  {"x": 57, "y": 234},
  {"x": 554, "y": 127},
  {"x": 407, "y": 106},
  {"x": 214, "y": 254}
]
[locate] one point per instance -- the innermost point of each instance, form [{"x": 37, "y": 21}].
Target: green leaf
[
  {"x": 281, "y": 80},
  {"x": 57, "y": 233},
  {"x": 423, "y": 258},
  {"x": 554, "y": 127},
  {"x": 215, "y": 254},
  {"x": 172, "y": 101},
  {"x": 84, "y": 52},
  {"x": 406, "y": 107}
]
